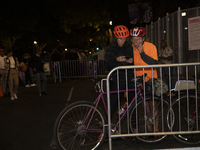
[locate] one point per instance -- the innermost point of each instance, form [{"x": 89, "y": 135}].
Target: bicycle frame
[{"x": 101, "y": 96}]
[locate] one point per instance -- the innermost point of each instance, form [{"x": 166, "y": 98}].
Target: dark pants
[
  {"x": 165, "y": 72},
  {"x": 44, "y": 80},
  {"x": 101, "y": 67},
  {"x": 114, "y": 96},
  {"x": 28, "y": 77}
]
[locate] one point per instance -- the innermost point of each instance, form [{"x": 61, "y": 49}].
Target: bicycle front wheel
[
  {"x": 79, "y": 127},
  {"x": 187, "y": 119},
  {"x": 149, "y": 121}
]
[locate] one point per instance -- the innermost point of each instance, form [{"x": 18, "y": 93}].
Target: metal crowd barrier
[
  {"x": 178, "y": 82},
  {"x": 76, "y": 69},
  {"x": 59, "y": 70}
]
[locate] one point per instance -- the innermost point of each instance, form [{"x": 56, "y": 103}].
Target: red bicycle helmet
[
  {"x": 121, "y": 31},
  {"x": 138, "y": 31}
]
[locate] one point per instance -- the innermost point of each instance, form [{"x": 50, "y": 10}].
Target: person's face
[
  {"x": 137, "y": 41},
  {"x": 162, "y": 44},
  {"x": 26, "y": 57},
  {"x": 10, "y": 54},
  {"x": 1, "y": 53},
  {"x": 121, "y": 41}
]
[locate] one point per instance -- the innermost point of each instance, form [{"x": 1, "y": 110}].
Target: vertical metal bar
[
  {"x": 109, "y": 114},
  {"x": 136, "y": 101},
  {"x": 187, "y": 99},
  {"x": 159, "y": 39},
  {"x": 118, "y": 99},
  {"x": 54, "y": 72},
  {"x": 59, "y": 70},
  {"x": 198, "y": 54},
  {"x": 127, "y": 95},
  {"x": 167, "y": 27},
  {"x": 197, "y": 119},
  {"x": 170, "y": 98},
  {"x": 163, "y": 28},
  {"x": 162, "y": 101},
  {"x": 179, "y": 103},
  {"x": 179, "y": 28},
  {"x": 154, "y": 118},
  {"x": 151, "y": 31},
  {"x": 145, "y": 107},
  {"x": 172, "y": 37}
]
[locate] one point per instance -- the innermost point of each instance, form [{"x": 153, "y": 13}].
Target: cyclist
[
  {"x": 144, "y": 53},
  {"x": 119, "y": 53}
]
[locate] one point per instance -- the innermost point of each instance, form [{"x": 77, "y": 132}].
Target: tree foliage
[{"x": 61, "y": 23}]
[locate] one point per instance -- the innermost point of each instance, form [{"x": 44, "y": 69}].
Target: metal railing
[
  {"x": 189, "y": 75},
  {"x": 59, "y": 70},
  {"x": 76, "y": 69},
  {"x": 174, "y": 28}
]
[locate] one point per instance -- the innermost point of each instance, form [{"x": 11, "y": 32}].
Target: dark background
[{"x": 69, "y": 24}]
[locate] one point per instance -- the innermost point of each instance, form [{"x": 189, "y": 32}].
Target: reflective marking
[{"x": 70, "y": 94}]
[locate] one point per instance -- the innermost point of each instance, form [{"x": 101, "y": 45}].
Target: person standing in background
[
  {"x": 165, "y": 57},
  {"x": 3, "y": 72},
  {"x": 36, "y": 63},
  {"x": 101, "y": 57},
  {"x": 26, "y": 58},
  {"x": 11, "y": 65}
]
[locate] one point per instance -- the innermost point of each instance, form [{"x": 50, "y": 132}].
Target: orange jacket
[{"x": 151, "y": 51}]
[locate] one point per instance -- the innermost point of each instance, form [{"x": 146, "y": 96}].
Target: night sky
[{"x": 61, "y": 23}]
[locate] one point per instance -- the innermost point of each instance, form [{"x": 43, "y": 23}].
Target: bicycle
[
  {"x": 80, "y": 124},
  {"x": 187, "y": 114}
]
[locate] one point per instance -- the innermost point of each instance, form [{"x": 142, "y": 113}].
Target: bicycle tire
[
  {"x": 69, "y": 126},
  {"x": 183, "y": 123},
  {"x": 142, "y": 119}
]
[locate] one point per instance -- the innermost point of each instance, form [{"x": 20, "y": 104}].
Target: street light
[
  {"x": 35, "y": 42},
  {"x": 183, "y": 14},
  {"x": 110, "y": 23}
]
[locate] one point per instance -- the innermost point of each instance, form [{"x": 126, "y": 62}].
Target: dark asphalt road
[{"x": 27, "y": 123}]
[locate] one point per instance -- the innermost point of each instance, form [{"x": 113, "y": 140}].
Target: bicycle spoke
[
  {"x": 187, "y": 110},
  {"x": 149, "y": 122},
  {"x": 71, "y": 131}
]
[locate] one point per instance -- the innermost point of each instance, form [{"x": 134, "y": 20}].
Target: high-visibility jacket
[{"x": 150, "y": 52}]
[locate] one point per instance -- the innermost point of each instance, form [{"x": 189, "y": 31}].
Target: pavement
[{"x": 28, "y": 122}]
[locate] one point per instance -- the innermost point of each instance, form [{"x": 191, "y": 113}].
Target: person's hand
[
  {"x": 130, "y": 60},
  {"x": 140, "y": 48},
  {"x": 8, "y": 55},
  {"x": 121, "y": 59}
]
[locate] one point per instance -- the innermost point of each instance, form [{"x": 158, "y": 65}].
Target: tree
[
  {"x": 85, "y": 20},
  {"x": 14, "y": 22}
]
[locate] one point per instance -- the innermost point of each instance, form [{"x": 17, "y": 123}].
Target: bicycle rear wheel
[
  {"x": 70, "y": 129},
  {"x": 183, "y": 123},
  {"x": 146, "y": 123}
]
